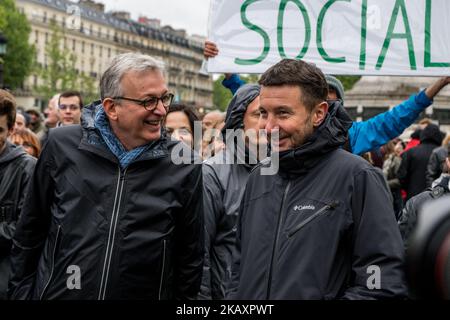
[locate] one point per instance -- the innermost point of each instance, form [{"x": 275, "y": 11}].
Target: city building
[{"x": 95, "y": 36}]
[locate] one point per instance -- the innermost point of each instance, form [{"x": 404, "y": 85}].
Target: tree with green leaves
[
  {"x": 348, "y": 81},
  {"x": 18, "y": 60},
  {"x": 60, "y": 73},
  {"x": 221, "y": 95}
]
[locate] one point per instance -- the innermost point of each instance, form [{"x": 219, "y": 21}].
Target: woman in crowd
[
  {"x": 179, "y": 124},
  {"x": 28, "y": 140}
]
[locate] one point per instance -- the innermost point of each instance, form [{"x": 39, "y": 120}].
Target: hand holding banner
[{"x": 359, "y": 37}]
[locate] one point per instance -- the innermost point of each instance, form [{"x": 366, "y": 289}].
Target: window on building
[
  {"x": 45, "y": 16},
  {"x": 352, "y": 112},
  {"x": 36, "y": 37},
  {"x": 109, "y": 52},
  {"x": 442, "y": 115},
  {"x": 82, "y": 46},
  {"x": 92, "y": 49},
  {"x": 46, "y": 37},
  {"x": 101, "y": 52},
  {"x": 73, "y": 45}
]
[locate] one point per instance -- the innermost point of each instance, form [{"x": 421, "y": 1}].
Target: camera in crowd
[{"x": 428, "y": 259}]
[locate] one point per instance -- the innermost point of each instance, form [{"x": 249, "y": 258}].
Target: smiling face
[
  {"x": 133, "y": 125},
  {"x": 179, "y": 127},
  {"x": 282, "y": 110}
]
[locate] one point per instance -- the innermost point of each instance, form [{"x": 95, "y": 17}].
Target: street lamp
[{"x": 3, "y": 43}]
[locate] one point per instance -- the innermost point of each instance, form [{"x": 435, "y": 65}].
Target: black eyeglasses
[{"x": 151, "y": 103}]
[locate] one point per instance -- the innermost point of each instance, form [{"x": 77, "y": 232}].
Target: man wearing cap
[{"x": 366, "y": 135}]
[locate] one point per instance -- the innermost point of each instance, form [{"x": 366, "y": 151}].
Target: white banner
[{"x": 359, "y": 37}]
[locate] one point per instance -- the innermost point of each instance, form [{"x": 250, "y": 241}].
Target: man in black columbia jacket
[
  {"x": 16, "y": 168},
  {"x": 323, "y": 227},
  {"x": 109, "y": 215}
]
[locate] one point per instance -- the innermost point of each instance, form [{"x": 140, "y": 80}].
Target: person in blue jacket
[{"x": 368, "y": 135}]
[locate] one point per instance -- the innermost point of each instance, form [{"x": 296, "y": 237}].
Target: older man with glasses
[{"x": 108, "y": 214}]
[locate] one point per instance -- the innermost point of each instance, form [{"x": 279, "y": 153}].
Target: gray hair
[{"x": 122, "y": 64}]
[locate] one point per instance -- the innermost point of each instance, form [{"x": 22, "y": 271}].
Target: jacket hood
[
  {"x": 11, "y": 152},
  {"x": 431, "y": 134},
  {"x": 331, "y": 134},
  {"x": 238, "y": 105}
]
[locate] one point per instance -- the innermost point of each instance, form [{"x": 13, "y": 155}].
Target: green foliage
[
  {"x": 20, "y": 54},
  {"x": 221, "y": 95},
  {"x": 348, "y": 81},
  {"x": 61, "y": 74}
]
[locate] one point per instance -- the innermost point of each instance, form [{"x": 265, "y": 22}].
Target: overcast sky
[{"x": 191, "y": 15}]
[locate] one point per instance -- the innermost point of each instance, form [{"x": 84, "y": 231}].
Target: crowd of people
[{"x": 93, "y": 207}]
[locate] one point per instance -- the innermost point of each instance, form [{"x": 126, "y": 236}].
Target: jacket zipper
[
  {"x": 298, "y": 227},
  {"x": 162, "y": 271},
  {"x": 53, "y": 263},
  {"x": 111, "y": 234},
  {"x": 275, "y": 244}
]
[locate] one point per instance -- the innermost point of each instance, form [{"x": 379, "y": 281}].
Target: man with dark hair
[
  {"x": 373, "y": 133},
  {"x": 108, "y": 214},
  {"x": 16, "y": 168},
  {"x": 70, "y": 104},
  {"x": 323, "y": 227}
]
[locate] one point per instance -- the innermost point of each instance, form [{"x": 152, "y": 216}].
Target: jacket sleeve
[
  {"x": 32, "y": 228},
  {"x": 378, "y": 256},
  {"x": 434, "y": 168},
  {"x": 367, "y": 135},
  {"x": 219, "y": 238},
  {"x": 189, "y": 239},
  {"x": 8, "y": 228},
  {"x": 403, "y": 170},
  {"x": 233, "y": 83}
]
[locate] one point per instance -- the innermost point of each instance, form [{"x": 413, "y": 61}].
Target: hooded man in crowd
[
  {"x": 413, "y": 168},
  {"x": 224, "y": 179}
]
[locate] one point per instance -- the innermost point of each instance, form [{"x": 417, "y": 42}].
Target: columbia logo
[{"x": 300, "y": 208}]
